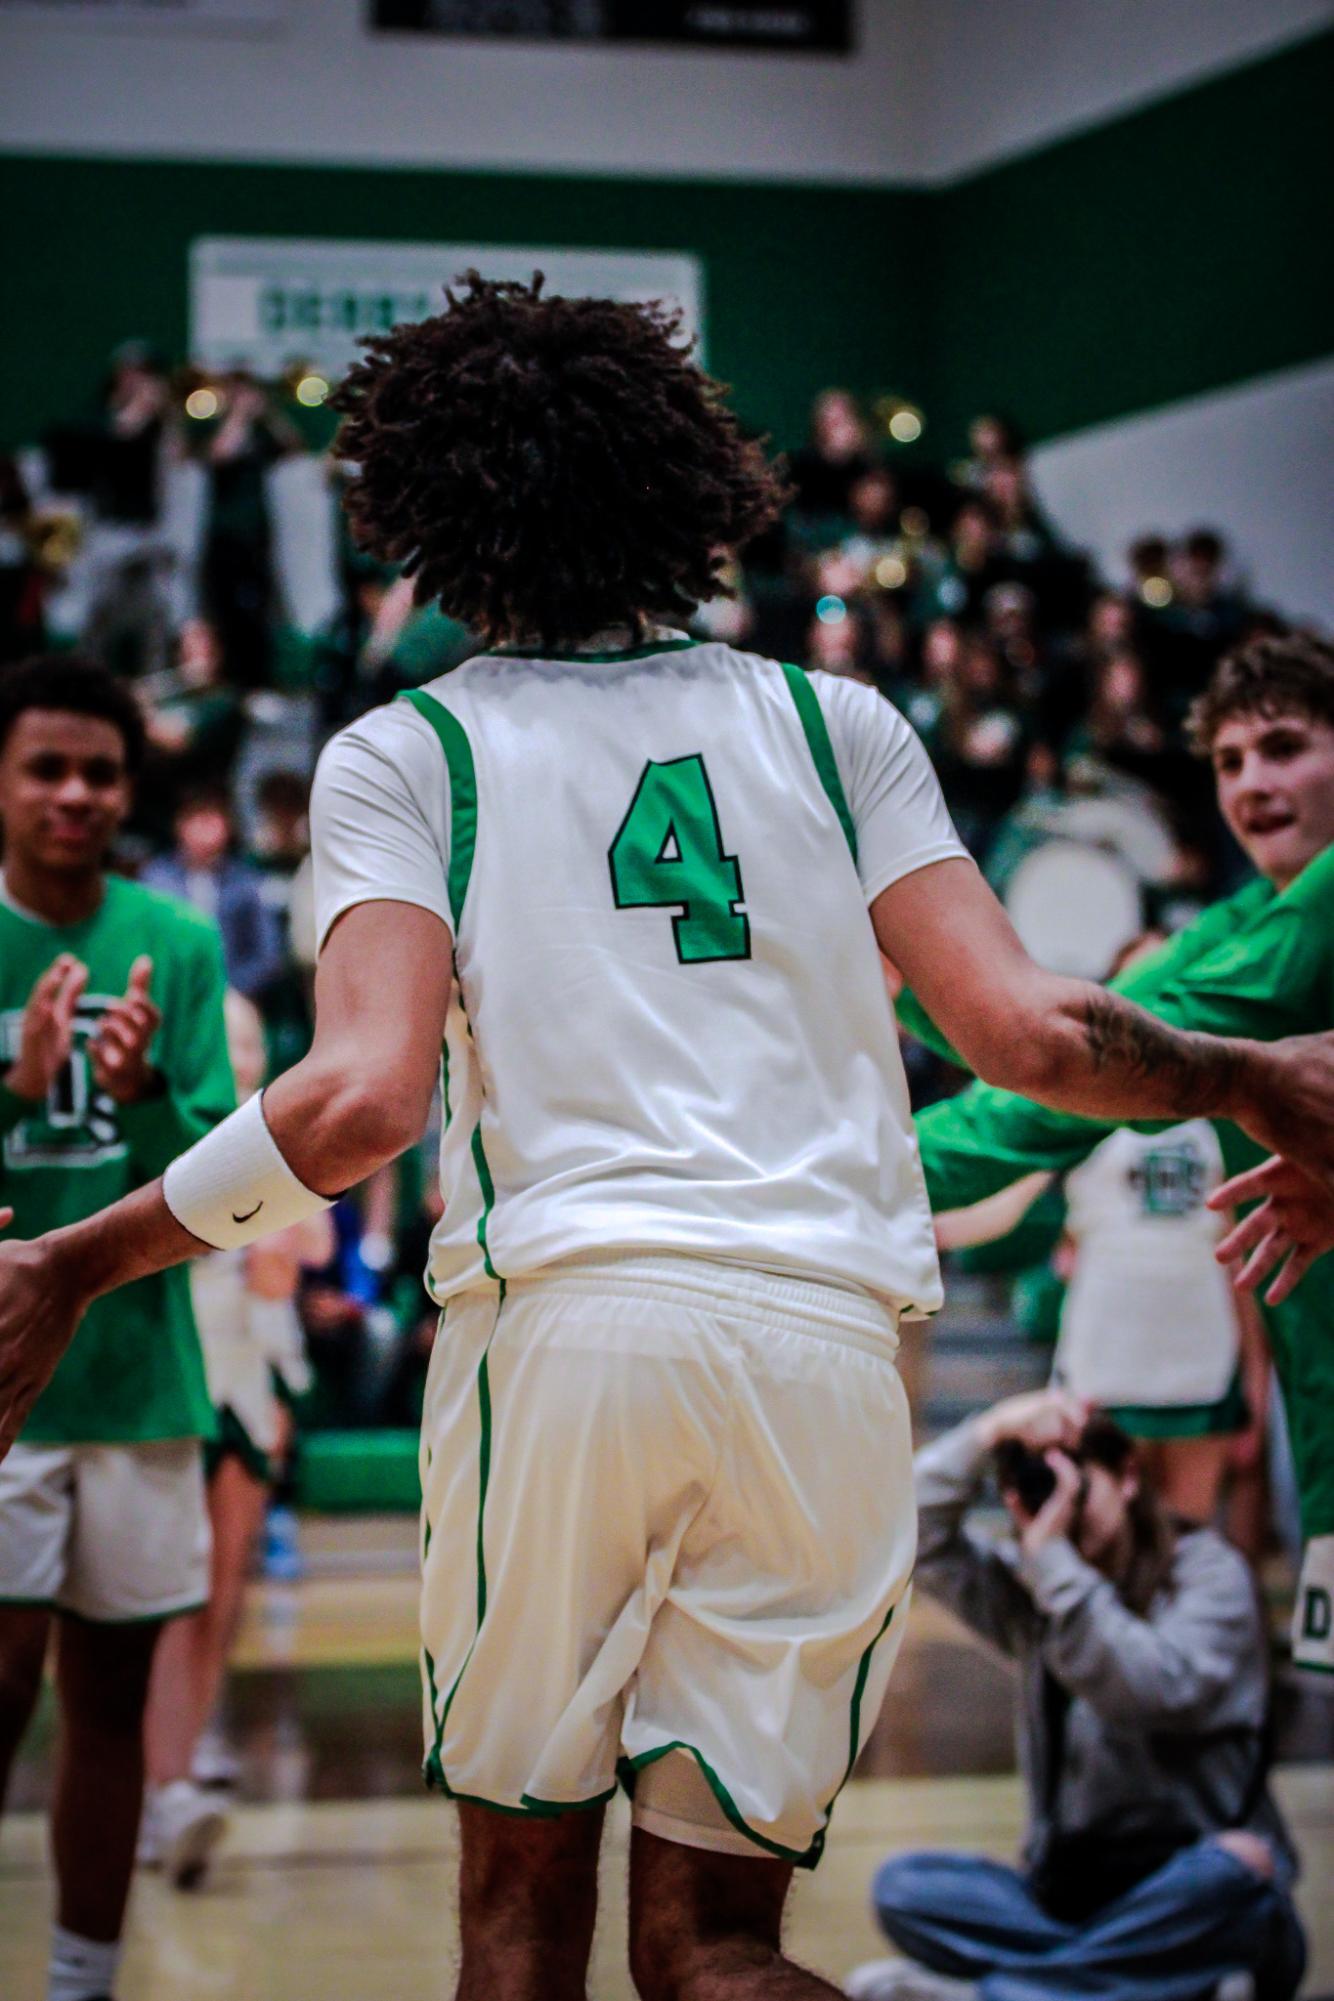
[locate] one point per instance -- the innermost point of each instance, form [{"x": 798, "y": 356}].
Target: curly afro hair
[
  {"x": 548, "y": 468},
  {"x": 1273, "y": 676}
]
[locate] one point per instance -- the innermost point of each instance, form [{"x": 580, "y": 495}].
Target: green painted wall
[
  {"x": 1173, "y": 251},
  {"x": 802, "y": 285},
  {"x": 1179, "y": 249}
]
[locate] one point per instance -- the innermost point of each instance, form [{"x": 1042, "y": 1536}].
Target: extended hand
[
  {"x": 1290, "y": 1108},
  {"x": 39, "y": 1311},
  {"x": 119, "y": 1050},
  {"x": 1291, "y": 1228},
  {"x": 48, "y": 1028}
]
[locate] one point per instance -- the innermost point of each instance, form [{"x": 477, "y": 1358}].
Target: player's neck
[{"x": 56, "y": 896}]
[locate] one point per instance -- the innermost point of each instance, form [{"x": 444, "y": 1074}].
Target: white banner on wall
[
  {"x": 158, "y": 13},
  {"x": 263, "y": 302}
]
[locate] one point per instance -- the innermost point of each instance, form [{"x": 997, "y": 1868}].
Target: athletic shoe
[
  {"x": 189, "y": 1826},
  {"x": 900, "y": 1980},
  {"x": 215, "y": 1764}
]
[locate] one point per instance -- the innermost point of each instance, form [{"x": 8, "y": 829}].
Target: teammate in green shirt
[
  {"x": 1258, "y": 964},
  {"x": 112, "y": 1058}
]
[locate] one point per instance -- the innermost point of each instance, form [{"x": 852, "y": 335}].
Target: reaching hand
[
  {"x": 1291, "y": 1228},
  {"x": 1290, "y": 1106},
  {"x": 1039, "y": 1419},
  {"x": 48, "y": 1028},
  {"x": 119, "y": 1050},
  {"x": 40, "y": 1308}
]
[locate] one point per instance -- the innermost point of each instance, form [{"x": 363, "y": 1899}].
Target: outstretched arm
[
  {"x": 985, "y": 1222},
  {"x": 1077, "y": 1047},
  {"x": 355, "y": 1101}
]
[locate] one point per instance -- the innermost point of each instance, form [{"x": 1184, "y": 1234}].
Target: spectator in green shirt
[{"x": 112, "y": 1058}]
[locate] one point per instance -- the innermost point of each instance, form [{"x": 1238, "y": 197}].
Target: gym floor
[{"x": 335, "y": 1880}]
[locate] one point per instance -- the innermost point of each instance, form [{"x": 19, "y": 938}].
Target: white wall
[
  {"x": 937, "y": 87},
  {"x": 1253, "y": 462},
  {"x": 320, "y": 88},
  {"x": 1001, "y": 76}
]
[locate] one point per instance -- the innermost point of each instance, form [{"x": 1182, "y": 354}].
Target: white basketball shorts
[
  {"x": 108, "y": 1532},
  {"x": 668, "y": 1532}
]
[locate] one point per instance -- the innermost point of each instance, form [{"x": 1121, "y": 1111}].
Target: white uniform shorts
[
  {"x": 668, "y": 1533},
  {"x": 107, "y": 1532}
]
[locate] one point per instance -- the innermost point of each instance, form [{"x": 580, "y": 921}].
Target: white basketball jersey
[
  {"x": 669, "y": 1029},
  {"x": 1148, "y": 1319}
]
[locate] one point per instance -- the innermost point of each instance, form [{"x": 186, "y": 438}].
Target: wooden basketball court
[{"x": 335, "y": 1883}]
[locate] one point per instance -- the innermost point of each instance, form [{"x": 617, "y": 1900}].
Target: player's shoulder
[
  {"x": 866, "y": 730},
  {"x": 395, "y": 738}
]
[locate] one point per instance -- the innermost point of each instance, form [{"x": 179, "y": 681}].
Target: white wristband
[{"x": 234, "y": 1186}]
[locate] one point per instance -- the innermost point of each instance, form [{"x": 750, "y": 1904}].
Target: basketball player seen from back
[{"x": 621, "y": 879}]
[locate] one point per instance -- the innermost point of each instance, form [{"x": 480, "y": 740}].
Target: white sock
[{"x": 81, "y": 1969}]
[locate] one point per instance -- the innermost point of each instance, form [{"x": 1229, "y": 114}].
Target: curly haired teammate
[{"x": 622, "y": 880}]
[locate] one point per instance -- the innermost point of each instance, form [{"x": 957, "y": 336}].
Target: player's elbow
[
  {"x": 1031, "y": 1057},
  {"x": 389, "y": 1115},
  {"x": 374, "y": 1117}
]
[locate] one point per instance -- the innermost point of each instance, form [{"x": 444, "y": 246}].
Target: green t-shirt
[
  {"x": 1258, "y": 964},
  {"x": 133, "y": 1370}
]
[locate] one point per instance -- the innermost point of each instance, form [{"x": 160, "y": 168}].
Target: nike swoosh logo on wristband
[{"x": 250, "y": 1214}]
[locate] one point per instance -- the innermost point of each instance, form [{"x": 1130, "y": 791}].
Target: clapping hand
[
  {"x": 47, "y": 1031},
  {"x": 118, "y": 1050}
]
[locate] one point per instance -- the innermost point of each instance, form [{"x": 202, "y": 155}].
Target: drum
[{"x": 1075, "y": 906}]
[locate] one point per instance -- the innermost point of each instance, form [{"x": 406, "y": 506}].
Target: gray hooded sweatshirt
[{"x": 1161, "y": 1718}]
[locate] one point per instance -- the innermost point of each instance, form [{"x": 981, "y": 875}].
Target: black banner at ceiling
[{"x": 817, "y": 26}]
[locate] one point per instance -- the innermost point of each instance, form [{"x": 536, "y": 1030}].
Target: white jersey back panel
[{"x": 670, "y": 1029}]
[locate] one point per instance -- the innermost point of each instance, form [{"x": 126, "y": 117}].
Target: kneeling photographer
[{"x": 1156, "y": 1865}]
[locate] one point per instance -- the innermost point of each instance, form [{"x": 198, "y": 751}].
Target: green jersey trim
[
  {"x": 457, "y": 750},
  {"x": 435, "y": 1771},
  {"x": 813, "y": 724},
  {"x": 644, "y": 652},
  {"x": 859, "y": 1690},
  {"x": 462, "y": 793},
  {"x": 804, "y": 1858},
  {"x": 528, "y": 1807}
]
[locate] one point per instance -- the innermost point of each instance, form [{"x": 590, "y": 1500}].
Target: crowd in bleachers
[{"x": 186, "y": 529}]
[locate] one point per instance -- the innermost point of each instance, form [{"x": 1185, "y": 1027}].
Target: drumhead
[{"x": 1074, "y": 907}]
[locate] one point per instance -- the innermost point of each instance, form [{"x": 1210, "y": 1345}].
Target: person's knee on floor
[{"x": 1251, "y": 1850}]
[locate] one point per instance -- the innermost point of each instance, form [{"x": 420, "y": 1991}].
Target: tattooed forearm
[{"x": 1192, "y": 1075}]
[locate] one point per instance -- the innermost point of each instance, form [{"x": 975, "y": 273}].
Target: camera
[{"x": 1024, "y": 1473}]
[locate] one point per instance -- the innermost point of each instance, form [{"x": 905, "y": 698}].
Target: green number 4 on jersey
[{"x": 668, "y": 854}]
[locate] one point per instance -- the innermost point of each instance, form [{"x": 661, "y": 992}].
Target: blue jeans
[{"x": 1172, "y": 1938}]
